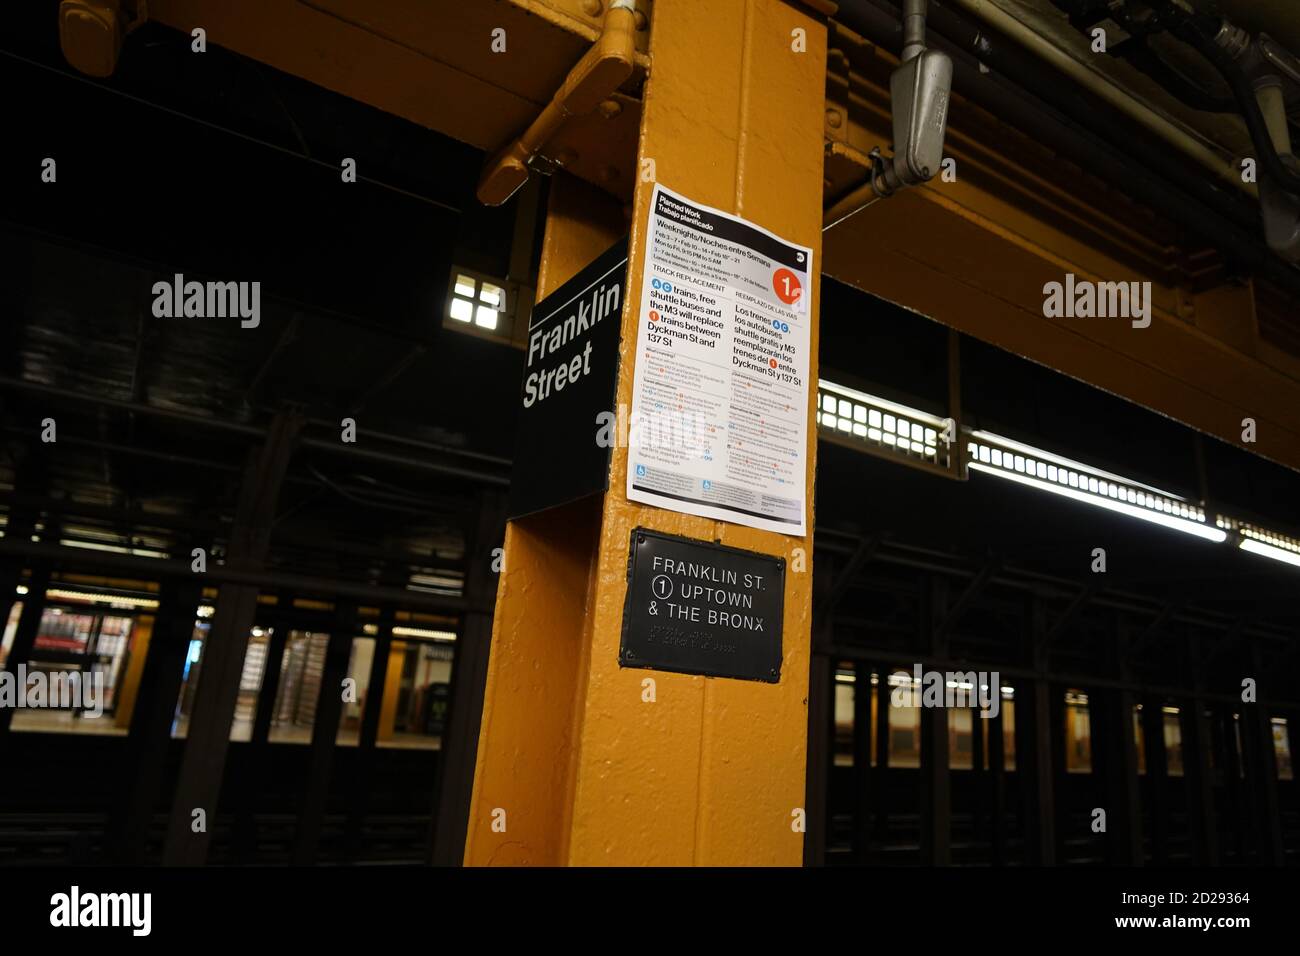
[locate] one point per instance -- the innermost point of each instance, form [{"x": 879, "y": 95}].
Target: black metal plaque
[{"x": 701, "y": 608}]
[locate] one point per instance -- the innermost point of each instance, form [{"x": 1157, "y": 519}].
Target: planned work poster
[{"x": 719, "y": 417}]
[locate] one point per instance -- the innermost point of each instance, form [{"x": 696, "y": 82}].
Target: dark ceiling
[{"x": 219, "y": 168}]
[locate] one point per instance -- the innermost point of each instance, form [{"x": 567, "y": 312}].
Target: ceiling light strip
[{"x": 881, "y": 425}]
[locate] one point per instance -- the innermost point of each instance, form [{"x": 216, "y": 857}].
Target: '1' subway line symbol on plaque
[{"x": 663, "y": 587}]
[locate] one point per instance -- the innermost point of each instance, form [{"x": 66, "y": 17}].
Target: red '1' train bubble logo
[{"x": 786, "y": 285}]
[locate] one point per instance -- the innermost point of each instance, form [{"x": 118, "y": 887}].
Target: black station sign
[
  {"x": 701, "y": 608},
  {"x": 570, "y": 373}
]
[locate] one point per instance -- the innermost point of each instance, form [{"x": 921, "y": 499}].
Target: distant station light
[
  {"x": 479, "y": 304},
  {"x": 1268, "y": 544},
  {"x": 1003, "y": 458}
]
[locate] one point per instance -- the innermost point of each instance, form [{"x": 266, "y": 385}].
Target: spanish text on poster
[{"x": 719, "y": 413}]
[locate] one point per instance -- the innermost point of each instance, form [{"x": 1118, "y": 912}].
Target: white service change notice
[{"x": 719, "y": 416}]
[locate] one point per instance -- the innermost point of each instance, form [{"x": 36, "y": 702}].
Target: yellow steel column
[
  {"x": 575, "y": 766},
  {"x": 141, "y": 634},
  {"x": 392, "y": 690}
]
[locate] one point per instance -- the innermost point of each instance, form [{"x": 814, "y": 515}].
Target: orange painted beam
[
  {"x": 428, "y": 61},
  {"x": 932, "y": 253}
]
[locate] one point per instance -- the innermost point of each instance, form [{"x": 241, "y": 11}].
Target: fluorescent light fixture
[
  {"x": 889, "y": 426},
  {"x": 424, "y": 632},
  {"x": 882, "y": 425},
  {"x": 1269, "y": 551},
  {"x": 1039, "y": 455},
  {"x": 115, "y": 549},
  {"x": 436, "y": 581},
  {"x": 909, "y": 413},
  {"x": 1123, "y": 507},
  {"x": 113, "y": 600}
]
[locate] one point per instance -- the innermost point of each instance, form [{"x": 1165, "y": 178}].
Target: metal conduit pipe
[
  {"x": 1273, "y": 106},
  {"x": 1200, "y": 33},
  {"x": 601, "y": 71},
  {"x": 913, "y": 29},
  {"x": 1224, "y": 167},
  {"x": 995, "y": 66},
  {"x": 1169, "y": 188},
  {"x": 1084, "y": 107}
]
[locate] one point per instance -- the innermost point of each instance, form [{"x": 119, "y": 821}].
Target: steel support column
[
  {"x": 468, "y": 681},
  {"x": 1114, "y": 755},
  {"x": 368, "y": 735},
  {"x": 997, "y": 788},
  {"x": 29, "y": 626},
  {"x": 1034, "y": 750},
  {"x": 862, "y": 782},
  {"x": 711, "y": 771},
  {"x": 1061, "y": 821},
  {"x": 21, "y": 521},
  {"x": 325, "y": 731},
  {"x": 11, "y": 575},
  {"x": 1235, "y": 806},
  {"x": 821, "y": 757},
  {"x": 199, "y": 784},
  {"x": 1198, "y": 744},
  {"x": 1261, "y": 767},
  {"x": 150, "y": 735},
  {"x": 257, "y": 753},
  {"x": 978, "y": 772},
  {"x": 1157, "y": 782},
  {"x": 936, "y": 780},
  {"x": 882, "y": 773},
  {"x": 821, "y": 715}
]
